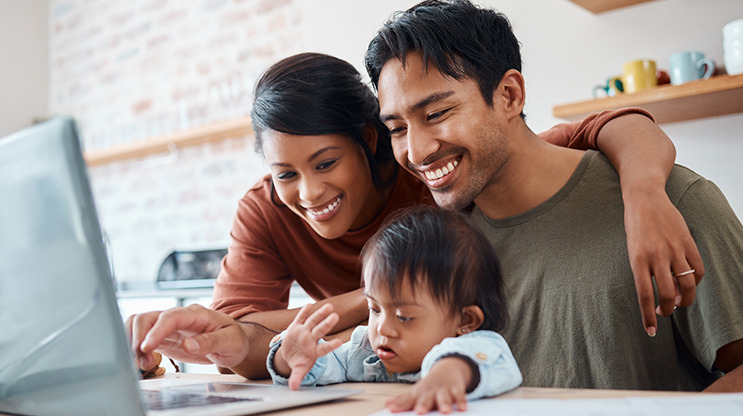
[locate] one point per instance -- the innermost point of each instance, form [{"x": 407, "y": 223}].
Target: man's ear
[
  {"x": 511, "y": 94},
  {"x": 472, "y": 318},
  {"x": 370, "y": 135}
]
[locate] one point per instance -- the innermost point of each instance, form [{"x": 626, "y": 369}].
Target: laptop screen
[{"x": 63, "y": 348}]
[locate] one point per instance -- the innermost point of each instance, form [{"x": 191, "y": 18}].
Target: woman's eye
[
  {"x": 325, "y": 165},
  {"x": 285, "y": 175}
]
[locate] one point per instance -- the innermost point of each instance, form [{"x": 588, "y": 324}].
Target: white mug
[{"x": 732, "y": 46}]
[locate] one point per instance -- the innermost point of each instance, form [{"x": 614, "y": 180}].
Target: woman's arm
[{"x": 658, "y": 240}]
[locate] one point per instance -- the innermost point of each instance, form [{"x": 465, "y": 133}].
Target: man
[{"x": 451, "y": 93}]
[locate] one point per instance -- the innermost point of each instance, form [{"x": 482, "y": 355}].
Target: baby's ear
[{"x": 472, "y": 318}]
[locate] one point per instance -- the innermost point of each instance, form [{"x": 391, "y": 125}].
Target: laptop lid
[{"x": 63, "y": 347}]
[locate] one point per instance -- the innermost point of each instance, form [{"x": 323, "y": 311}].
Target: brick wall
[{"x": 130, "y": 70}]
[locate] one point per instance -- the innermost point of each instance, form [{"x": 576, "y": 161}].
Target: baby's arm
[
  {"x": 477, "y": 365},
  {"x": 301, "y": 347}
]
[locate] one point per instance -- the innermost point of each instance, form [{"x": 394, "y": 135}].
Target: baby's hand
[
  {"x": 444, "y": 386},
  {"x": 300, "y": 347}
]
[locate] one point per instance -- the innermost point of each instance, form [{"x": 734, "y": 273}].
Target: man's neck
[{"x": 535, "y": 171}]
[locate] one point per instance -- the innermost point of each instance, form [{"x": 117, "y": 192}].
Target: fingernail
[
  {"x": 143, "y": 363},
  {"x": 651, "y": 331}
]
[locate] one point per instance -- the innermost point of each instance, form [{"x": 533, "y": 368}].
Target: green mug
[{"x": 612, "y": 87}]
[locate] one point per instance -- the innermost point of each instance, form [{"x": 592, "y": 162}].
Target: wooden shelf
[
  {"x": 600, "y": 6},
  {"x": 712, "y": 97},
  {"x": 198, "y": 135}
]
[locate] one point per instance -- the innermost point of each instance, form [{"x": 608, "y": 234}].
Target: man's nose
[{"x": 420, "y": 144}]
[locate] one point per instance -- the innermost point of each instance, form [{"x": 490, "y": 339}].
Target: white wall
[
  {"x": 24, "y": 63},
  {"x": 566, "y": 50}
]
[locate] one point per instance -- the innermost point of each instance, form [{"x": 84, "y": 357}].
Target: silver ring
[{"x": 684, "y": 273}]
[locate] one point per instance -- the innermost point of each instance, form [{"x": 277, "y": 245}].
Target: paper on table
[{"x": 717, "y": 404}]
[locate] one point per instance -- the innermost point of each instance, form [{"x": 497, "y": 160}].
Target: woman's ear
[
  {"x": 370, "y": 135},
  {"x": 472, "y": 318}
]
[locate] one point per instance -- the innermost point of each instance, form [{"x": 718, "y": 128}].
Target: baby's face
[{"x": 402, "y": 331}]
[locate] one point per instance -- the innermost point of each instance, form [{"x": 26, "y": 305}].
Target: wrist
[{"x": 464, "y": 366}]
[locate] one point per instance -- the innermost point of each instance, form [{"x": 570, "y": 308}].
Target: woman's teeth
[
  {"x": 441, "y": 172},
  {"x": 327, "y": 209}
]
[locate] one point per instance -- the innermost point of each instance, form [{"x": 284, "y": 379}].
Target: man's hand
[
  {"x": 192, "y": 334},
  {"x": 660, "y": 247},
  {"x": 300, "y": 346},
  {"x": 445, "y": 385}
]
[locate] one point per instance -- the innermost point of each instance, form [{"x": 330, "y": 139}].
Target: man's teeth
[
  {"x": 327, "y": 209},
  {"x": 441, "y": 172}
]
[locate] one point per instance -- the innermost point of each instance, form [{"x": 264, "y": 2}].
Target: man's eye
[
  {"x": 396, "y": 131},
  {"x": 285, "y": 175},
  {"x": 434, "y": 116}
]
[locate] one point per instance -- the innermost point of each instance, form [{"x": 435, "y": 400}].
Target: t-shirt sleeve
[
  {"x": 253, "y": 276},
  {"x": 584, "y": 134},
  {"x": 715, "y": 318}
]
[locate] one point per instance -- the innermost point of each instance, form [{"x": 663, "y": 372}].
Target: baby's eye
[
  {"x": 374, "y": 310},
  {"x": 404, "y": 318}
]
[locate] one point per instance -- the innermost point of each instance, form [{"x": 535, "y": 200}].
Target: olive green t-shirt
[{"x": 575, "y": 319}]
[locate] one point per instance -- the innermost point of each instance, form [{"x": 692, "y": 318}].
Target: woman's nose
[{"x": 310, "y": 189}]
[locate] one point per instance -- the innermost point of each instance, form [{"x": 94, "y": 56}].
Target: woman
[{"x": 333, "y": 181}]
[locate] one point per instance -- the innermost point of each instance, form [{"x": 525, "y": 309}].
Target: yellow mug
[{"x": 639, "y": 75}]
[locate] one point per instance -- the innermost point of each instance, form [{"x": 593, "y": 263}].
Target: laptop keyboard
[{"x": 165, "y": 399}]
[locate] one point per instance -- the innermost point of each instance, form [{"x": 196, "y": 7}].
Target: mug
[
  {"x": 732, "y": 46},
  {"x": 639, "y": 75},
  {"x": 689, "y": 66},
  {"x": 612, "y": 87}
]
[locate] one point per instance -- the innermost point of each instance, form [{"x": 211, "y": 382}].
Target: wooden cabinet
[{"x": 720, "y": 95}]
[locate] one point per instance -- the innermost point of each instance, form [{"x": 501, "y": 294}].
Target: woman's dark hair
[
  {"x": 457, "y": 37},
  {"x": 442, "y": 253},
  {"x": 312, "y": 94}
]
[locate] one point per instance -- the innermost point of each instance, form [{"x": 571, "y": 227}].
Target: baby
[{"x": 435, "y": 301}]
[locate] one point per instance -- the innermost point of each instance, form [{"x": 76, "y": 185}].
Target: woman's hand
[
  {"x": 301, "y": 347},
  {"x": 444, "y": 386},
  {"x": 192, "y": 334},
  {"x": 660, "y": 247}
]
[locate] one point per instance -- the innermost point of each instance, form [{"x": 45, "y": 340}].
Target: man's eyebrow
[
  {"x": 420, "y": 104},
  {"x": 312, "y": 156}
]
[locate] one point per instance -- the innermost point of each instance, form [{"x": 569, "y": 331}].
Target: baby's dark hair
[{"x": 443, "y": 253}]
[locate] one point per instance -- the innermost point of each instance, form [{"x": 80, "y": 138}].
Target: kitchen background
[{"x": 132, "y": 70}]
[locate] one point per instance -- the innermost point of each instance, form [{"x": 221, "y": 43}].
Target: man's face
[{"x": 442, "y": 130}]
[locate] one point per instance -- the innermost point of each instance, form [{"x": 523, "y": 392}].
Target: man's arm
[
  {"x": 729, "y": 360},
  {"x": 658, "y": 239}
]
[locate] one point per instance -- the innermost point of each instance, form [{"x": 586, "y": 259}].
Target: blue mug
[{"x": 689, "y": 66}]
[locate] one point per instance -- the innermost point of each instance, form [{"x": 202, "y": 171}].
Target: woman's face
[{"x": 325, "y": 179}]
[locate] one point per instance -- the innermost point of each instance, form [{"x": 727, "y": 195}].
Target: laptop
[{"x": 63, "y": 347}]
